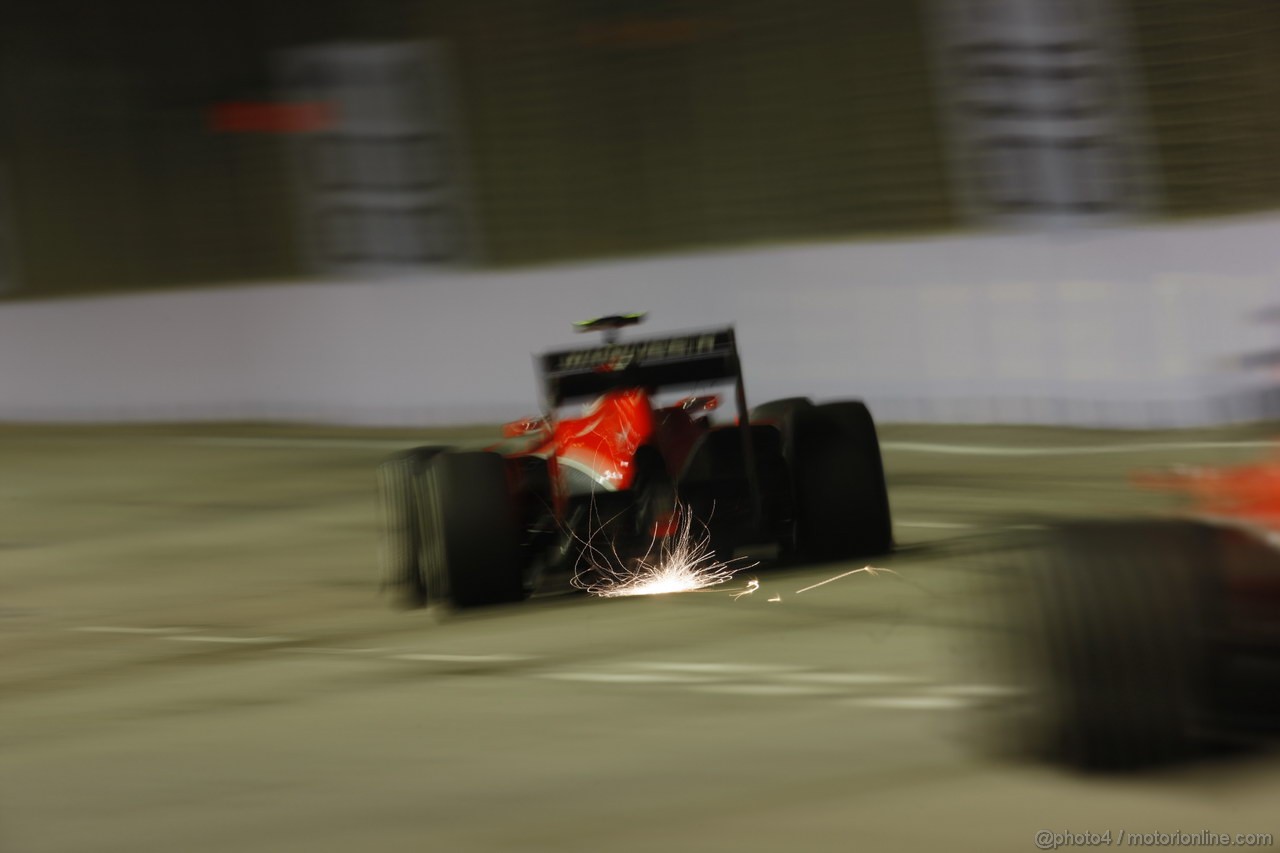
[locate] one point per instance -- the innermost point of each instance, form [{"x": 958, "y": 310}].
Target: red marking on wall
[{"x": 271, "y": 117}]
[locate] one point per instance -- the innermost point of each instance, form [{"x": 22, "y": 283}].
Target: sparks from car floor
[{"x": 682, "y": 562}]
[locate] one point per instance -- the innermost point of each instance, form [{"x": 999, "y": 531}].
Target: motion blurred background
[
  {"x": 1060, "y": 209},
  {"x": 158, "y": 145},
  {"x": 369, "y": 213}
]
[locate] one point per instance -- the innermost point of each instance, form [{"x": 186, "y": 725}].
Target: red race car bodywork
[{"x": 596, "y": 451}]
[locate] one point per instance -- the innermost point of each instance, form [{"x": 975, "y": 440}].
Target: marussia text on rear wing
[{"x": 685, "y": 359}]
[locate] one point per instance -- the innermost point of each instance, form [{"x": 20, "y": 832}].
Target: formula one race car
[
  {"x": 1142, "y": 641},
  {"x": 569, "y": 489}
]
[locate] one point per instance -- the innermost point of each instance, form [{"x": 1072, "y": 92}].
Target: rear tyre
[
  {"x": 471, "y": 533},
  {"x": 398, "y": 479},
  {"x": 782, "y": 413},
  {"x": 714, "y": 488},
  {"x": 655, "y": 494},
  {"x": 842, "y": 502},
  {"x": 1112, "y": 642}
]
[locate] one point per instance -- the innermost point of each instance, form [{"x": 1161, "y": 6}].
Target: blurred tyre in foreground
[{"x": 1139, "y": 642}]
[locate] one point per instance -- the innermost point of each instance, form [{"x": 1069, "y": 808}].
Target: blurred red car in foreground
[{"x": 1145, "y": 640}]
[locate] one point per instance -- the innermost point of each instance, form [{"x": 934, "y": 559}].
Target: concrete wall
[{"x": 1128, "y": 327}]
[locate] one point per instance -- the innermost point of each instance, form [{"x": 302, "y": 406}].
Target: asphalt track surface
[{"x": 195, "y": 658}]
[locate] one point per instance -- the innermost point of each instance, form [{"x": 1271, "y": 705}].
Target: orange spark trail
[{"x": 871, "y": 570}]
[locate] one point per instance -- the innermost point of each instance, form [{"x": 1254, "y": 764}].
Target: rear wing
[{"x": 685, "y": 359}]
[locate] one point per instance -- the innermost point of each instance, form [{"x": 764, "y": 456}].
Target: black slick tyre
[
  {"x": 1112, "y": 642},
  {"x": 842, "y": 502},
  {"x": 472, "y": 554},
  {"x": 781, "y": 413}
]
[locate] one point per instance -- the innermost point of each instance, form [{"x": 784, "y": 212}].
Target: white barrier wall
[{"x": 1128, "y": 327}]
